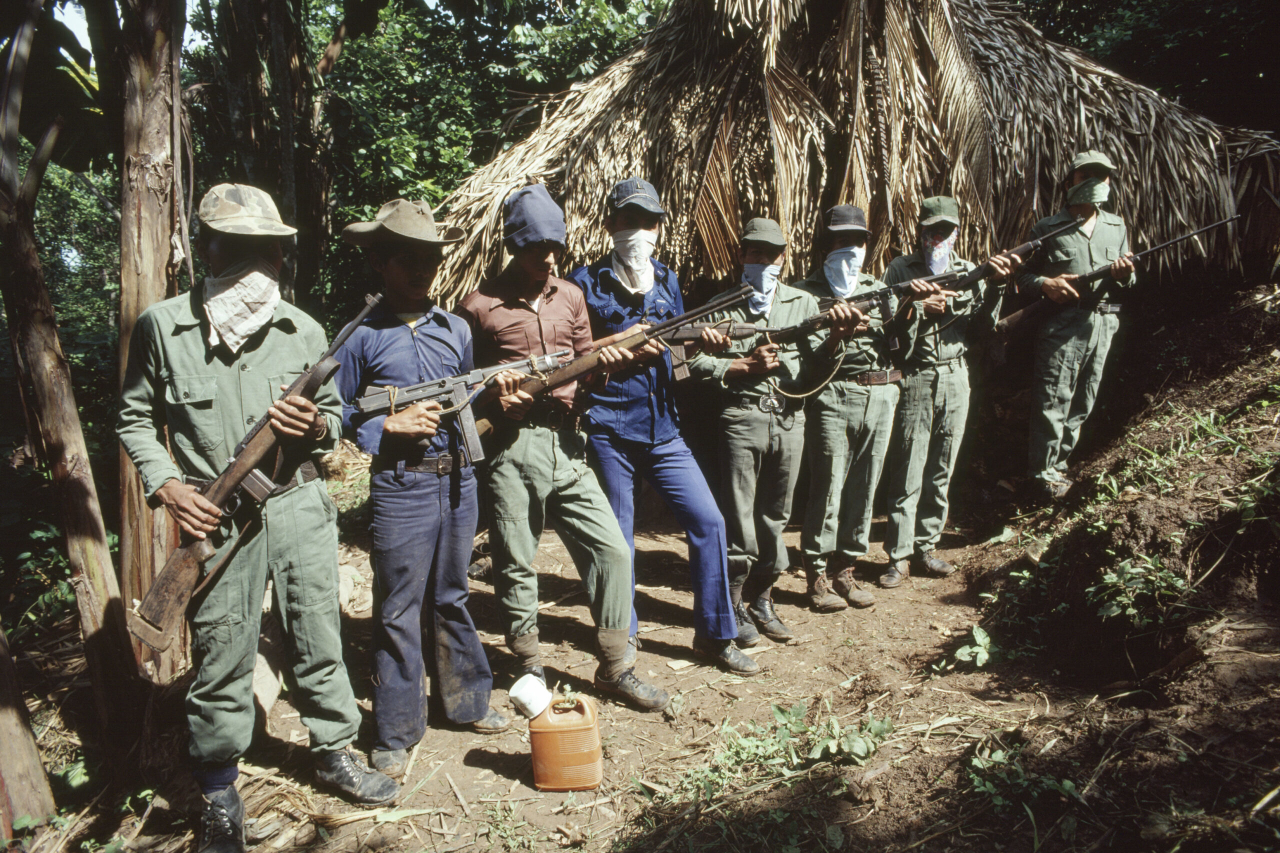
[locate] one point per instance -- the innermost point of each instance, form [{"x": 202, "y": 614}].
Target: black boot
[
  {"x": 748, "y": 636},
  {"x": 345, "y": 771},
  {"x": 222, "y": 823},
  {"x": 766, "y": 619}
]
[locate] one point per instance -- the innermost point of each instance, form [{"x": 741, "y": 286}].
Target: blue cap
[
  {"x": 533, "y": 217},
  {"x": 635, "y": 191}
]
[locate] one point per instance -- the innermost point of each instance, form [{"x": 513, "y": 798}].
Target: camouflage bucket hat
[
  {"x": 939, "y": 208},
  {"x": 400, "y": 221},
  {"x": 241, "y": 209}
]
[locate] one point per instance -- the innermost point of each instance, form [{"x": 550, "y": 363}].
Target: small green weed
[
  {"x": 997, "y": 772},
  {"x": 1140, "y": 589}
]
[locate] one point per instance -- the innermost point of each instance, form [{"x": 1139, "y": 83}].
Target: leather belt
[
  {"x": 306, "y": 472},
  {"x": 551, "y": 417},
  {"x": 445, "y": 463},
  {"x": 1107, "y": 308},
  {"x": 770, "y": 403},
  {"x": 878, "y": 377}
]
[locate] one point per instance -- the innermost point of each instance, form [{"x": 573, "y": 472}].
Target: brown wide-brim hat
[{"x": 401, "y": 221}]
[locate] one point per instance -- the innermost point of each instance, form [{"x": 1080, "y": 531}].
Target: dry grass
[{"x": 740, "y": 108}]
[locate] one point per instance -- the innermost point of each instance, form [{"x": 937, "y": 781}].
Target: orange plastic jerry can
[{"x": 565, "y": 742}]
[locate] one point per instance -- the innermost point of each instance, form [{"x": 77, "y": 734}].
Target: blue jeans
[
  {"x": 423, "y": 526},
  {"x": 670, "y": 469}
]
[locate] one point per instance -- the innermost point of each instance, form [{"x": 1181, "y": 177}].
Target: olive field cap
[
  {"x": 241, "y": 209},
  {"x": 939, "y": 208},
  {"x": 1092, "y": 158},
  {"x": 635, "y": 191},
  {"x": 846, "y": 217},
  {"x": 761, "y": 230},
  {"x": 400, "y": 221}
]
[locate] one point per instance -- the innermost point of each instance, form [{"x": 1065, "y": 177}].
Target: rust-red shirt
[{"x": 506, "y": 327}]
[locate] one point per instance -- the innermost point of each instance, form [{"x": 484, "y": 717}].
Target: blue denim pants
[
  {"x": 423, "y": 527},
  {"x": 669, "y": 467}
]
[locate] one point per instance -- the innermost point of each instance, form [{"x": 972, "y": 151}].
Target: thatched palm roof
[{"x": 741, "y": 108}]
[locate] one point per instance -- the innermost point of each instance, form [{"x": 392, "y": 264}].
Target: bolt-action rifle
[
  {"x": 255, "y": 471},
  {"x": 585, "y": 365}
]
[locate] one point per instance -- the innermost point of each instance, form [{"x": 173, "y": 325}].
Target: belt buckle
[
  {"x": 444, "y": 464},
  {"x": 555, "y": 419},
  {"x": 770, "y": 404}
]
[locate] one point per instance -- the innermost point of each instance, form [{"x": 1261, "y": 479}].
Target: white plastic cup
[{"x": 530, "y": 696}]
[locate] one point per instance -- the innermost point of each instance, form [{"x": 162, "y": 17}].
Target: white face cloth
[
  {"x": 937, "y": 252},
  {"x": 842, "y": 267},
  {"x": 764, "y": 278},
  {"x": 240, "y": 302},
  {"x": 632, "y": 250}
]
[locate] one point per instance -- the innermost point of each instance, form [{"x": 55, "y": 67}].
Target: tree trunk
[
  {"x": 34, "y": 336},
  {"x": 24, "y": 789},
  {"x": 152, "y": 34}
]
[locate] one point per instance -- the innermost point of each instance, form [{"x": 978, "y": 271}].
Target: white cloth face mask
[
  {"x": 240, "y": 302},
  {"x": 764, "y": 279},
  {"x": 632, "y": 250},
  {"x": 937, "y": 251},
  {"x": 842, "y": 267}
]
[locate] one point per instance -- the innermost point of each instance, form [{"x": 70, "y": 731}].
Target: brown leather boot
[
  {"x": 821, "y": 598},
  {"x": 845, "y": 585}
]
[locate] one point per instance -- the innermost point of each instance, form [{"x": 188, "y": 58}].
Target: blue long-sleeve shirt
[
  {"x": 636, "y": 404},
  {"x": 383, "y": 351}
]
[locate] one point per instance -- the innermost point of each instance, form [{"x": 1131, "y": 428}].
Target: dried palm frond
[{"x": 736, "y": 108}]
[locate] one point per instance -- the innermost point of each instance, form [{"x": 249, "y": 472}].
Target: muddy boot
[
  {"x": 618, "y": 678},
  {"x": 897, "y": 574},
  {"x": 346, "y": 772},
  {"x": 528, "y": 658},
  {"x": 819, "y": 593},
  {"x": 748, "y": 636},
  {"x": 934, "y": 565},
  {"x": 222, "y": 823},
  {"x": 725, "y": 654},
  {"x": 847, "y": 586}
]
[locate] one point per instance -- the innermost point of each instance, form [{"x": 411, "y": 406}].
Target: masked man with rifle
[
  {"x": 204, "y": 367},
  {"x": 422, "y": 488},
  {"x": 849, "y": 422},
  {"x": 536, "y": 469},
  {"x": 760, "y": 428},
  {"x": 1071, "y": 345},
  {"x": 633, "y": 429},
  {"x": 933, "y": 407}
]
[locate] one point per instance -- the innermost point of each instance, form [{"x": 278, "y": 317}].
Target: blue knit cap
[{"x": 532, "y": 217}]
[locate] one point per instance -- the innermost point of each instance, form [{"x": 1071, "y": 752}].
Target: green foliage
[
  {"x": 573, "y": 45},
  {"x": 1141, "y": 589},
  {"x": 980, "y": 652},
  {"x": 997, "y": 773}
]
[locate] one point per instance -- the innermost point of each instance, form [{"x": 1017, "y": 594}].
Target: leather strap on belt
[
  {"x": 1107, "y": 308},
  {"x": 306, "y": 472},
  {"x": 445, "y": 463},
  {"x": 878, "y": 377}
]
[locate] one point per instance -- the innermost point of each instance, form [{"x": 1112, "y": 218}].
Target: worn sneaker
[
  {"x": 766, "y": 619},
  {"x": 389, "y": 761},
  {"x": 628, "y": 686},
  {"x": 222, "y": 823},
  {"x": 493, "y": 722},
  {"x": 934, "y": 565},
  {"x": 847, "y": 586},
  {"x": 345, "y": 771},
  {"x": 725, "y": 655},
  {"x": 897, "y": 574},
  {"x": 748, "y": 636}
]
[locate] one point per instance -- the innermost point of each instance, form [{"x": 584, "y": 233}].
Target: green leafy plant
[
  {"x": 980, "y": 651},
  {"x": 997, "y": 772},
  {"x": 1140, "y": 589}
]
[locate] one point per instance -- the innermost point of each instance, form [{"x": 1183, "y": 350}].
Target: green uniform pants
[
  {"x": 759, "y": 466},
  {"x": 1071, "y": 352},
  {"x": 296, "y": 548},
  {"x": 927, "y": 432},
  {"x": 848, "y": 432},
  {"x": 538, "y": 475}
]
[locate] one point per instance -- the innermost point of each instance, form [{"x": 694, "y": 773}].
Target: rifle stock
[{"x": 156, "y": 619}]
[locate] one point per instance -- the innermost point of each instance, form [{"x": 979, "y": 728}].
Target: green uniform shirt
[
  {"x": 866, "y": 351},
  {"x": 790, "y": 306},
  {"x": 925, "y": 344},
  {"x": 1073, "y": 253},
  {"x": 209, "y": 399}
]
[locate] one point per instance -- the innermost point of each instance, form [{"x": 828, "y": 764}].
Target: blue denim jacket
[
  {"x": 636, "y": 404},
  {"x": 385, "y": 351}
]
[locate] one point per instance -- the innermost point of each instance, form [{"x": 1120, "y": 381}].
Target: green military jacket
[
  {"x": 870, "y": 349},
  {"x": 207, "y": 400},
  {"x": 790, "y": 306},
  {"x": 975, "y": 307},
  {"x": 1073, "y": 253}
]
